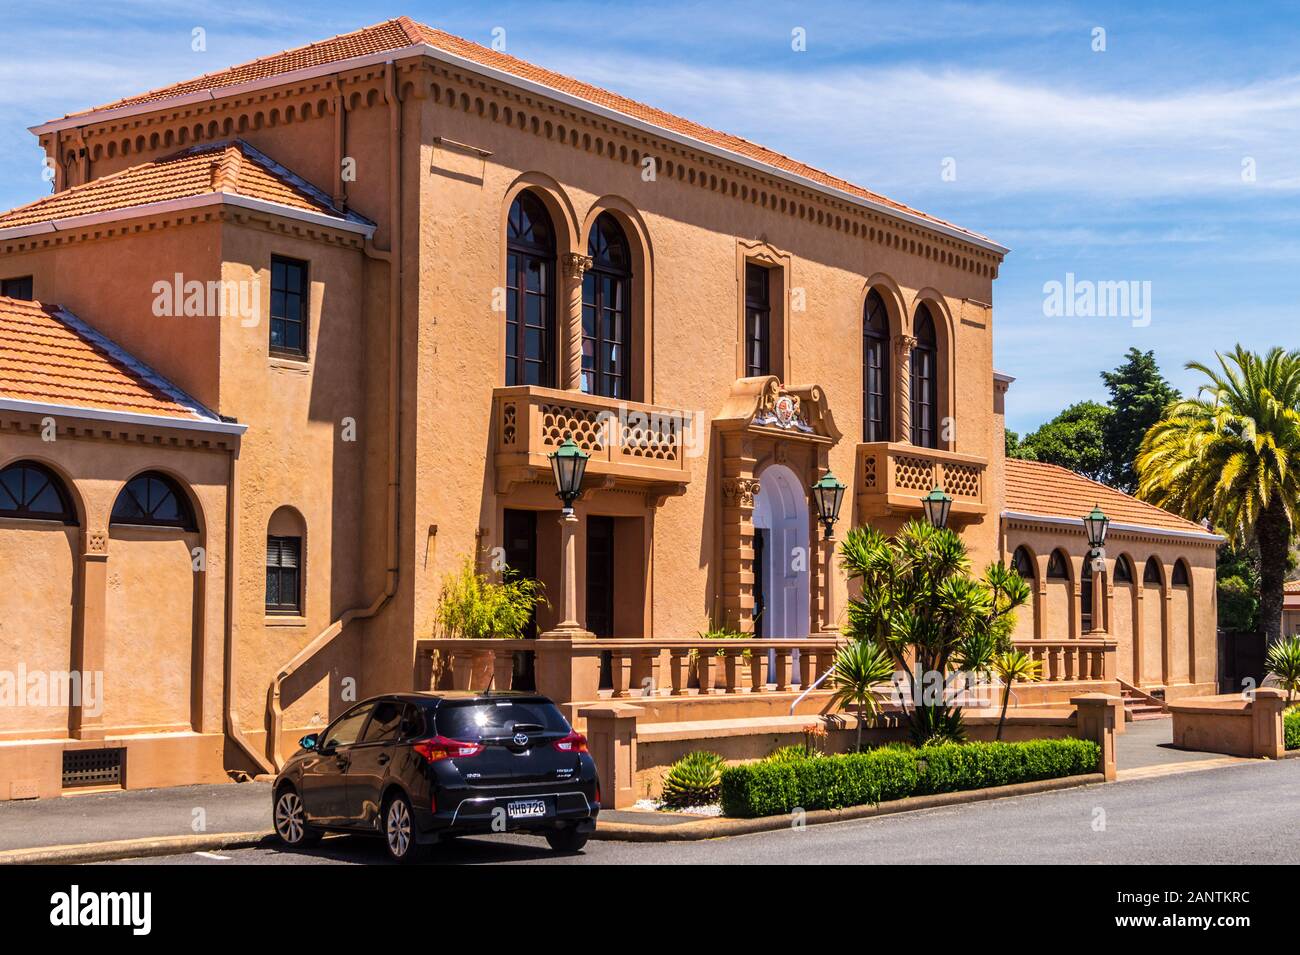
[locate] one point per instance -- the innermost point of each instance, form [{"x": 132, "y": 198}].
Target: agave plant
[
  {"x": 859, "y": 668},
  {"x": 1283, "y": 661},
  {"x": 1010, "y": 666},
  {"x": 694, "y": 780}
]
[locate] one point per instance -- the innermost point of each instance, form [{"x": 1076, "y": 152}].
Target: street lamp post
[
  {"x": 829, "y": 494},
  {"x": 568, "y": 463},
  {"x": 1095, "y": 525},
  {"x": 937, "y": 504}
]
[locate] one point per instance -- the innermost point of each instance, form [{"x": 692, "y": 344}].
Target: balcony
[
  {"x": 892, "y": 478},
  {"x": 632, "y": 445}
]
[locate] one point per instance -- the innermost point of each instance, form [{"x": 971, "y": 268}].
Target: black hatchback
[{"x": 418, "y": 768}]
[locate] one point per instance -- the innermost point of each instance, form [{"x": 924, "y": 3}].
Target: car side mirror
[{"x": 309, "y": 741}]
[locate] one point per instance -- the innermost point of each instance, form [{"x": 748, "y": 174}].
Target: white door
[{"x": 781, "y": 509}]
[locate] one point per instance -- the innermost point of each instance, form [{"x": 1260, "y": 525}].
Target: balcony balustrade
[{"x": 892, "y": 478}]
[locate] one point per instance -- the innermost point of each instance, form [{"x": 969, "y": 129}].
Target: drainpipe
[{"x": 393, "y": 257}]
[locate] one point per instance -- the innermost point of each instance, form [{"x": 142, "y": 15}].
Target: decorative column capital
[
  {"x": 575, "y": 264},
  {"x": 740, "y": 491},
  {"x": 905, "y": 343}
]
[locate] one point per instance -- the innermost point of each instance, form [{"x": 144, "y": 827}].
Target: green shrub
[
  {"x": 473, "y": 606},
  {"x": 1291, "y": 729},
  {"x": 693, "y": 780},
  {"x": 796, "y": 752},
  {"x": 772, "y": 787}
]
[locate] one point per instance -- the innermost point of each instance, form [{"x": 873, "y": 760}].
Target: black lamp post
[
  {"x": 569, "y": 463},
  {"x": 937, "y": 505},
  {"x": 829, "y": 494}
]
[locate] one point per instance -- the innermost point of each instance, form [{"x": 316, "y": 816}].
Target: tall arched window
[
  {"x": 1151, "y": 572},
  {"x": 1056, "y": 567},
  {"x": 606, "y": 311},
  {"x": 530, "y": 294},
  {"x": 923, "y": 381},
  {"x": 1123, "y": 570},
  {"x": 1085, "y": 597},
  {"x": 1180, "y": 576},
  {"x": 875, "y": 369},
  {"x": 153, "y": 500},
  {"x": 1023, "y": 564},
  {"x": 33, "y": 492}
]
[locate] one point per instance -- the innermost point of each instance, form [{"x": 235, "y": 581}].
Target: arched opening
[
  {"x": 1153, "y": 623},
  {"x": 924, "y": 380},
  {"x": 1023, "y": 563},
  {"x": 1122, "y": 622},
  {"x": 152, "y": 499},
  {"x": 31, "y": 491},
  {"x": 1180, "y": 577},
  {"x": 607, "y": 311},
  {"x": 781, "y": 605},
  {"x": 875, "y": 369},
  {"x": 286, "y": 538},
  {"x": 1086, "y": 592},
  {"x": 1058, "y": 604},
  {"x": 530, "y": 293}
]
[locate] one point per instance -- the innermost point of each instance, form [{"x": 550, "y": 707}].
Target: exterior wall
[{"x": 1164, "y": 635}]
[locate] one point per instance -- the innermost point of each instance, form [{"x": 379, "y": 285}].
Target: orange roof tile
[
  {"x": 1049, "y": 490},
  {"x": 49, "y": 356},
  {"x": 403, "y": 32},
  {"x": 232, "y": 167}
]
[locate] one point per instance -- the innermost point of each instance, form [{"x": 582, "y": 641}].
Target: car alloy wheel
[
  {"x": 290, "y": 820},
  {"x": 397, "y": 829}
]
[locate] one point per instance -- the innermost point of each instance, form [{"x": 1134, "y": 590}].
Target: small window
[
  {"x": 1123, "y": 570},
  {"x": 345, "y": 730},
  {"x": 385, "y": 722},
  {"x": 1056, "y": 567},
  {"x": 20, "y": 287},
  {"x": 283, "y": 577},
  {"x": 1023, "y": 563},
  {"x": 758, "y": 321},
  {"x": 33, "y": 492},
  {"x": 288, "y": 306},
  {"x": 153, "y": 500},
  {"x": 1151, "y": 573},
  {"x": 1180, "y": 578}
]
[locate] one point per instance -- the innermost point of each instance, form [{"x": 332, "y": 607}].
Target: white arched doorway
[{"x": 781, "y": 534}]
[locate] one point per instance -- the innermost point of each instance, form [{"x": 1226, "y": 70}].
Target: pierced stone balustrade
[{"x": 892, "y": 478}]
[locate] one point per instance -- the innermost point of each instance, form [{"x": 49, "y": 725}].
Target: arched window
[
  {"x": 530, "y": 294},
  {"x": 606, "y": 311},
  {"x": 1123, "y": 570},
  {"x": 924, "y": 382},
  {"x": 1056, "y": 567},
  {"x": 153, "y": 500},
  {"x": 1024, "y": 564},
  {"x": 285, "y": 557},
  {"x": 1151, "y": 573},
  {"x": 1180, "y": 577},
  {"x": 875, "y": 369},
  {"x": 1085, "y": 597},
  {"x": 33, "y": 492}
]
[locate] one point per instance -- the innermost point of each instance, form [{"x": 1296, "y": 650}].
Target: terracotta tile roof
[
  {"x": 1050, "y": 490},
  {"x": 232, "y": 167},
  {"x": 49, "y": 356},
  {"x": 1291, "y": 587},
  {"x": 403, "y": 32}
]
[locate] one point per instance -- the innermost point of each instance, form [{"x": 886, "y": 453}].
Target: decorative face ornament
[{"x": 786, "y": 408}]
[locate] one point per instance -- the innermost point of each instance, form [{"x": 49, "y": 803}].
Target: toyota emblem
[{"x": 521, "y": 739}]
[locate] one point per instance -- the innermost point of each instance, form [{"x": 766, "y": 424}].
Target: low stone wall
[{"x": 1231, "y": 724}]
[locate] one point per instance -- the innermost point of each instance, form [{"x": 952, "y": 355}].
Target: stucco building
[{"x": 290, "y": 341}]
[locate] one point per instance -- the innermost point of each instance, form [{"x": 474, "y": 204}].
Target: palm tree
[
  {"x": 1010, "y": 666},
  {"x": 859, "y": 668},
  {"x": 1232, "y": 455},
  {"x": 1283, "y": 661}
]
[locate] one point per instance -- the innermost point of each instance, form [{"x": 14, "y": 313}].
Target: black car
[{"x": 418, "y": 768}]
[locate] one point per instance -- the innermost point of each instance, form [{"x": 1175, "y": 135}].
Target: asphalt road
[{"x": 1237, "y": 814}]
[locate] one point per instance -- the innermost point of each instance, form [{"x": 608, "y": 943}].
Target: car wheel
[
  {"x": 567, "y": 840},
  {"x": 291, "y": 820},
  {"x": 399, "y": 830}
]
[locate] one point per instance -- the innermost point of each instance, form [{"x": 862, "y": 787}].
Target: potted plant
[
  {"x": 472, "y": 606},
  {"x": 733, "y": 672}
]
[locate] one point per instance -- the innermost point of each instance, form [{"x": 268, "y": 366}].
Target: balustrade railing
[{"x": 1080, "y": 660}]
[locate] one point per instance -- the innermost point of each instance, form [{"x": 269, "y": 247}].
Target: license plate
[{"x": 526, "y": 808}]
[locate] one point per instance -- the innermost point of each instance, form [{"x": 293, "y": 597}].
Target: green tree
[
  {"x": 1139, "y": 395},
  {"x": 1010, "y": 666},
  {"x": 859, "y": 669},
  {"x": 1237, "y": 576},
  {"x": 920, "y": 604},
  {"x": 1232, "y": 454},
  {"x": 1074, "y": 439}
]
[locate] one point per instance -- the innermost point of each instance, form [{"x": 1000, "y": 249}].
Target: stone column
[
  {"x": 88, "y": 643},
  {"x": 1095, "y": 720},
  {"x": 1267, "y": 731},
  {"x": 575, "y": 266},
  {"x": 611, "y": 735},
  {"x": 828, "y": 586},
  {"x": 903, "y": 346},
  {"x": 737, "y": 545},
  {"x": 568, "y": 625}
]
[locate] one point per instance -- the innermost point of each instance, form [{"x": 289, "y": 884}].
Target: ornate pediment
[{"x": 767, "y": 406}]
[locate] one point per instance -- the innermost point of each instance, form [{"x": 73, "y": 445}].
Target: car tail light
[
  {"x": 598, "y": 792},
  {"x": 439, "y": 747},
  {"x": 573, "y": 743}
]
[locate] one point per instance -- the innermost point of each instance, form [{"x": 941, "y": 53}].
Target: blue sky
[{"x": 1120, "y": 165}]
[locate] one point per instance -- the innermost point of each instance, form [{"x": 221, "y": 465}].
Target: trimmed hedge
[
  {"x": 855, "y": 779},
  {"x": 1291, "y": 729}
]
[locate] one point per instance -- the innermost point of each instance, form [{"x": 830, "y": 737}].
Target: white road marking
[{"x": 213, "y": 855}]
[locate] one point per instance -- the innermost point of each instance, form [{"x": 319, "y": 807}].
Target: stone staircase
[{"x": 1143, "y": 706}]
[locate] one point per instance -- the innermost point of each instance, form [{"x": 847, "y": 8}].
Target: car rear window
[{"x": 488, "y": 719}]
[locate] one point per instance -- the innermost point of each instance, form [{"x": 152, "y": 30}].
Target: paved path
[
  {"x": 1243, "y": 812},
  {"x": 1149, "y": 743}
]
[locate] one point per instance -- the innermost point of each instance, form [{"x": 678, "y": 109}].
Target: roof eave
[
  {"x": 1206, "y": 536},
  {"x": 436, "y": 53},
  {"x": 122, "y": 417}
]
